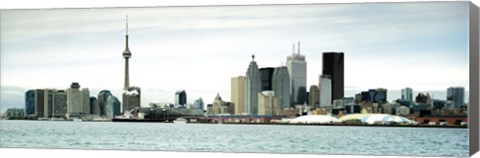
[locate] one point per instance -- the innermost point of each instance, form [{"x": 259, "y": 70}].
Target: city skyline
[{"x": 196, "y": 52}]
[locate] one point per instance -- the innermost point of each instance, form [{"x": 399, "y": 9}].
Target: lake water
[{"x": 236, "y": 138}]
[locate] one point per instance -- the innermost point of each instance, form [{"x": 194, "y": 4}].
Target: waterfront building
[
  {"x": 297, "y": 69},
  {"x": 77, "y": 100},
  {"x": 13, "y": 113},
  {"x": 352, "y": 109},
  {"x": 131, "y": 99},
  {"x": 217, "y": 105},
  {"x": 198, "y": 104},
  {"x": 333, "y": 65},
  {"x": 227, "y": 108},
  {"x": 112, "y": 107},
  {"x": 48, "y": 103},
  {"x": 85, "y": 95},
  {"x": 404, "y": 102},
  {"x": 94, "y": 106},
  {"x": 390, "y": 108},
  {"x": 342, "y": 103},
  {"x": 181, "y": 98},
  {"x": 130, "y": 95},
  {"x": 402, "y": 111},
  {"x": 237, "y": 94},
  {"x": 281, "y": 87},
  {"x": 457, "y": 95},
  {"x": 102, "y": 101},
  {"x": 325, "y": 90},
  {"x": 266, "y": 75},
  {"x": 407, "y": 94},
  {"x": 267, "y": 103},
  {"x": 209, "y": 109},
  {"x": 423, "y": 98},
  {"x": 39, "y": 102},
  {"x": 29, "y": 102},
  {"x": 378, "y": 95},
  {"x": 252, "y": 87},
  {"x": 59, "y": 103},
  {"x": 314, "y": 96}
]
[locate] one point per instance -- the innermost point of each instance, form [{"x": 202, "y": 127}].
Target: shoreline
[{"x": 277, "y": 124}]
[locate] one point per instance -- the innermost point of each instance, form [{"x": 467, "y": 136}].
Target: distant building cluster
[
  {"x": 282, "y": 90},
  {"x": 74, "y": 102}
]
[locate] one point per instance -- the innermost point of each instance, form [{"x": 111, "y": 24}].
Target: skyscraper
[
  {"x": 297, "y": 69},
  {"x": 380, "y": 95},
  {"x": 131, "y": 98},
  {"x": 74, "y": 99},
  {"x": 314, "y": 96},
  {"x": 48, "y": 103},
  {"x": 181, "y": 98},
  {"x": 457, "y": 95},
  {"x": 238, "y": 94},
  {"x": 85, "y": 101},
  {"x": 281, "y": 86},
  {"x": 59, "y": 103},
  {"x": 325, "y": 91},
  {"x": 94, "y": 106},
  {"x": 198, "y": 104},
  {"x": 252, "y": 87},
  {"x": 112, "y": 107},
  {"x": 267, "y": 102},
  {"x": 407, "y": 94},
  {"x": 39, "y": 101},
  {"x": 333, "y": 65},
  {"x": 102, "y": 101},
  {"x": 29, "y": 102},
  {"x": 266, "y": 75},
  {"x": 77, "y": 100}
]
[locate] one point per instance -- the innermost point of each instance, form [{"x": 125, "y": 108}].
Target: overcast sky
[{"x": 199, "y": 49}]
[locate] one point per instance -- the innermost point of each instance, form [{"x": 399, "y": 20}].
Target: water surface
[{"x": 235, "y": 138}]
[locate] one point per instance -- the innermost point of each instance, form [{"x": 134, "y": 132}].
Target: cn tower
[{"x": 126, "y": 54}]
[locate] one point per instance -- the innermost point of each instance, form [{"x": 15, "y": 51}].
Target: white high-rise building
[
  {"x": 325, "y": 91},
  {"x": 267, "y": 103},
  {"x": 407, "y": 94},
  {"x": 297, "y": 69},
  {"x": 78, "y": 101},
  {"x": 252, "y": 88}
]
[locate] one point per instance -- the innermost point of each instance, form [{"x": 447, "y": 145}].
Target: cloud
[{"x": 422, "y": 45}]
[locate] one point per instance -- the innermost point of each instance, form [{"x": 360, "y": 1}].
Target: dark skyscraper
[
  {"x": 181, "y": 98},
  {"x": 266, "y": 75},
  {"x": 102, "y": 101},
  {"x": 39, "y": 102},
  {"x": 30, "y": 102},
  {"x": 457, "y": 95},
  {"x": 333, "y": 65},
  {"x": 94, "y": 106}
]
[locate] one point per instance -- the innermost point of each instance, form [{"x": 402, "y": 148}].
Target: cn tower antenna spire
[
  {"x": 127, "y": 25},
  {"x": 298, "y": 47}
]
